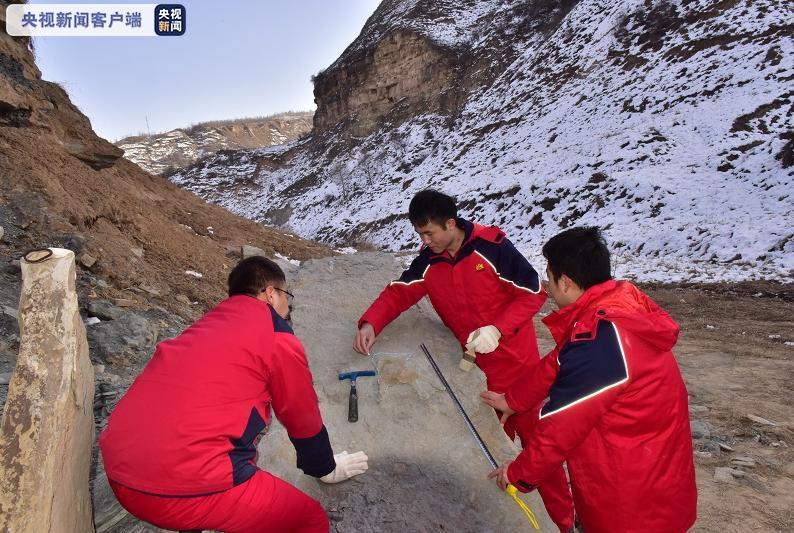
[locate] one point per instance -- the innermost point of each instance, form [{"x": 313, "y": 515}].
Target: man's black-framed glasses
[{"x": 289, "y": 294}]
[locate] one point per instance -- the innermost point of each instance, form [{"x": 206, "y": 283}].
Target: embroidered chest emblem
[{"x": 479, "y": 267}]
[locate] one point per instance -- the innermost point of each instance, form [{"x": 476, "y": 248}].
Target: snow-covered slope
[
  {"x": 667, "y": 123},
  {"x": 166, "y": 152}
]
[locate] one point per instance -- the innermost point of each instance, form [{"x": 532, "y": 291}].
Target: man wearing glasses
[
  {"x": 617, "y": 411},
  {"x": 180, "y": 447}
]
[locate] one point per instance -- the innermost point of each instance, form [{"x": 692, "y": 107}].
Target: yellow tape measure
[{"x": 513, "y": 492}]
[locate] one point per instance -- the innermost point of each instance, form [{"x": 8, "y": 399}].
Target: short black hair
[
  {"x": 581, "y": 254},
  {"x": 253, "y": 274},
  {"x": 431, "y": 205}
]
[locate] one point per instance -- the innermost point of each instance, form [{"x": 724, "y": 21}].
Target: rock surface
[
  {"x": 48, "y": 415},
  {"x": 127, "y": 340},
  {"x": 700, "y": 429},
  {"x": 426, "y": 472},
  {"x": 404, "y": 69},
  {"x": 104, "y": 310}
]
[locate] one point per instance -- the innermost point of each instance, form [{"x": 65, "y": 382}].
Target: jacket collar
[
  {"x": 467, "y": 227},
  {"x": 560, "y": 323}
]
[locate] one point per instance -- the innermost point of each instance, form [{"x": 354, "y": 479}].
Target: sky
[{"x": 238, "y": 58}]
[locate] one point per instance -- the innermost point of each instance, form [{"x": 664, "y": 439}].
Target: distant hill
[{"x": 163, "y": 153}]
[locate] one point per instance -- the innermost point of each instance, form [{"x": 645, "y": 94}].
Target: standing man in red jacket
[
  {"x": 487, "y": 293},
  {"x": 618, "y": 407},
  {"x": 180, "y": 447}
]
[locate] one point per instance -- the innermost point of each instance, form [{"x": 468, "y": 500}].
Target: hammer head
[{"x": 352, "y": 376}]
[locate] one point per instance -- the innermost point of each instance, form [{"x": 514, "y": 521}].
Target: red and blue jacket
[
  {"x": 617, "y": 412},
  {"x": 190, "y": 422},
  {"x": 488, "y": 282}
]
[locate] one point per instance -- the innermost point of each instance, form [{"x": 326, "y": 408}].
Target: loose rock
[
  {"x": 700, "y": 429},
  {"x": 756, "y": 482},
  {"x": 707, "y": 445},
  {"x": 87, "y": 260},
  {"x": 759, "y": 420},
  {"x": 13, "y": 267},
  {"x": 126, "y": 340},
  {"x": 727, "y": 475},
  {"x": 250, "y": 251},
  {"x": 104, "y": 310},
  {"x": 75, "y": 242},
  {"x": 154, "y": 291}
]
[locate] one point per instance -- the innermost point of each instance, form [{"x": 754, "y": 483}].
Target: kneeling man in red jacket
[
  {"x": 617, "y": 408},
  {"x": 180, "y": 447}
]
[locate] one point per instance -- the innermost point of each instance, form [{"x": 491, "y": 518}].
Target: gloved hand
[
  {"x": 347, "y": 466},
  {"x": 484, "y": 340}
]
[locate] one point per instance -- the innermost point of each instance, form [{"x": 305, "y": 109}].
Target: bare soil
[{"x": 735, "y": 361}]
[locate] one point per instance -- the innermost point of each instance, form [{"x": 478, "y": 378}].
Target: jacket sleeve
[
  {"x": 295, "y": 404},
  {"x": 592, "y": 375},
  {"x": 533, "y": 387},
  {"x": 523, "y": 283},
  {"x": 398, "y": 295}
]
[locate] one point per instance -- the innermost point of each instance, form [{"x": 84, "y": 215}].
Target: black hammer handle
[{"x": 352, "y": 405}]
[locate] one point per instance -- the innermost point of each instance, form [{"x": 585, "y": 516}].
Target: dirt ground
[{"x": 733, "y": 353}]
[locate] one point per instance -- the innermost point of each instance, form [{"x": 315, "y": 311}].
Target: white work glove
[
  {"x": 347, "y": 466},
  {"x": 483, "y": 340}
]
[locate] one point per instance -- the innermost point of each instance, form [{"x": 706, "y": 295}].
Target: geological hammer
[{"x": 352, "y": 405}]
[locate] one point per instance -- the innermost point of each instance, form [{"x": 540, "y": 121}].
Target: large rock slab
[
  {"x": 47, "y": 428},
  {"x": 426, "y": 472}
]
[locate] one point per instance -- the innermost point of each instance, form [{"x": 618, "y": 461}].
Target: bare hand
[
  {"x": 365, "y": 338},
  {"x": 497, "y": 401},
  {"x": 501, "y": 476}
]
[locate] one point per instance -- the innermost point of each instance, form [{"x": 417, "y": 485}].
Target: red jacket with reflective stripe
[
  {"x": 617, "y": 413},
  {"x": 487, "y": 283},
  {"x": 189, "y": 423}
]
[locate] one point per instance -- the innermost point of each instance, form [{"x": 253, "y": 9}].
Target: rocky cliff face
[
  {"x": 662, "y": 121},
  {"x": 421, "y": 57},
  {"x": 27, "y": 102},
  {"x": 164, "y": 153},
  {"x": 404, "y": 72}
]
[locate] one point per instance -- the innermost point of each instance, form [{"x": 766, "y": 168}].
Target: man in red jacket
[
  {"x": 180, "y": 448},
  {"x": 487, "y": 293},
  {"x": 617, "y": 410}
]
